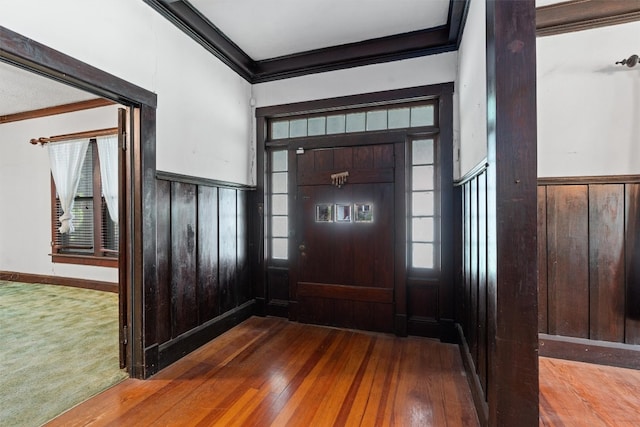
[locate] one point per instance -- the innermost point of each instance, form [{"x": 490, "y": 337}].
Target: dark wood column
[{"x": 511, "y": 196}]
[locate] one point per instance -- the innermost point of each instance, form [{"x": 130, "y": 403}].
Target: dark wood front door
[{"x": 345, "y": 268}]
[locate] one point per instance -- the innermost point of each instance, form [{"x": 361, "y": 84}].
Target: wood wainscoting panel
[
  {"x": 589, "y": 254},
  {"x": 568, "y": 236},
  {"x": 632, "y": 234},
  {"x": 606, "y": 262},
  {"x": 183, "y": 258},
  {"x": 163, "y": 244},
  {"x": 473, "y": 330},
  {"x": 208, "y": 282},
  {"x": 543, "y": 323},
  {"x": 473, "y": 283},
  {"x": 227, "y": 244},
  {"x": 203, "y": 262}
]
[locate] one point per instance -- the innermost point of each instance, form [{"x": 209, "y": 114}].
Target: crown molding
[{"x": 384, "y": 49}]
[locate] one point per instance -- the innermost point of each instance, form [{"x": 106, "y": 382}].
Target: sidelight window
[
  {"x": 423, "y": 204},
  {"x": 279, "y": 213}
]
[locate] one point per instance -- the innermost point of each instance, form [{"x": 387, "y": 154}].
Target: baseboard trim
[
  {"x": 400, "y": 327},
  {"x": 482, "y": 407},
  {"x": 278, "y": 308},
  {"x": 590, "y": 351},
  {"x": 184, "y": 344},
  {"x": 260, "y": 307},
  {"x": 423, "y": 327},
  {"x": 61, "y": 281}
]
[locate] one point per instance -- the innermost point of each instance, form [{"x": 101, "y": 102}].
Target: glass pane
[
  {"x": 335, "y": 124},
  {"x": 422, "y": 229},
  {"x": 377, "y": 120},
  {"x": 355, "y": 122},
  {"x": 85, "y": 185},
  {"x": 422, "y": 178},
  {"x": 422, "y": 203},
  {"x": 422, "y": 255},
  {"x": 279, "y": 226},
  {"x": 109, "y": 229},
  {"x": 363, "y": 212},
  {"x": 343, "y": 213},
  {"x": 422, "y": 116},
  {"x": 279, "y": 248},
  {"x": 279, "y": 204},
  {"x": 298, "y": 128},
  {"x": 279, "y": 161},
  {"x": 324, "y": 213},
  {"x": 422, "y": 150},
  {"x": 399, "y": 118},
  {"x": 280, "y": 130},
  {"x": 316, "y": 126},
  {"x": 279, "y": 182}
]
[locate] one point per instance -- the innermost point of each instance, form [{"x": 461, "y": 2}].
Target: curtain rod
[{"x": 77, "y": 135}]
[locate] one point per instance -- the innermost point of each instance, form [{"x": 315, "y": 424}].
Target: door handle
[{"x": 302, "y": 248}]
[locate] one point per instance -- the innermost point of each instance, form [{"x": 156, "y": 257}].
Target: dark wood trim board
[
  {"x": 590, "y": 351},
  {"x": 57, "y": 280},
  {"x": 578, "y": 15}
]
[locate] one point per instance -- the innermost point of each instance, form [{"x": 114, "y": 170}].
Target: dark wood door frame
[
  {"x": 138, "y": 266},
  {"x": 443, "y": 93}
]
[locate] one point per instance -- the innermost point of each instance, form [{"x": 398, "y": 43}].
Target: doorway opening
[{"x": 136, "y": 219}]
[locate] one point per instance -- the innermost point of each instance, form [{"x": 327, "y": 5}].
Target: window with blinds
[{"x": 96, "y": 235}]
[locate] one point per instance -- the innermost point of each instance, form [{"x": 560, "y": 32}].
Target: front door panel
[{"x": 345, "y": 273}]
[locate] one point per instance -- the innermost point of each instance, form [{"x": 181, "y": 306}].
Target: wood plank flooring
[
  {"x": 269, "y": 371},
  {"x": 583, "y": 394}
]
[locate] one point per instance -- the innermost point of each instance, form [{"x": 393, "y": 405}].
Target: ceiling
[
  {"x": 278, "y": 28},
  {"x": 277, "y": 39}
]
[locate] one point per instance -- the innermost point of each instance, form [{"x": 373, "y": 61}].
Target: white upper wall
[
  {"x": 203, "y": 116},
  {"x": 471, "y": 91},
  {"x": 352, "y": 81},
  {"x": 25, "y": 191},
  {"x": 588, "y": 107}
]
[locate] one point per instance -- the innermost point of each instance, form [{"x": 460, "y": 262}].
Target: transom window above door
[{"x": 357, "y": 120}]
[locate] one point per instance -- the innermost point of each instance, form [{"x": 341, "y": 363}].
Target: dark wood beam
[
  {"x": 577, "y": 15},
  {"x": 58, "y": 109},
  {"x": 512, "y": 265}
]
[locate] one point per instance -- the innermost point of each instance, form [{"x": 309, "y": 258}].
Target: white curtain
[
  {"x": 66, "y": 159},
  {"x": 108, "y": 154}
]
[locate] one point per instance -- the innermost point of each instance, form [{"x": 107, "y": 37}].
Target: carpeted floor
[{"x": 58, "y": 347}]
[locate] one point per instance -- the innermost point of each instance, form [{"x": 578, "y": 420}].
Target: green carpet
[{"x": 58, "y": 347}]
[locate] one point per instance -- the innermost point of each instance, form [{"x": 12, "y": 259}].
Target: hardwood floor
[
  {"x": 583, "y": 394},
  {"x": 269, "y": 371}
]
